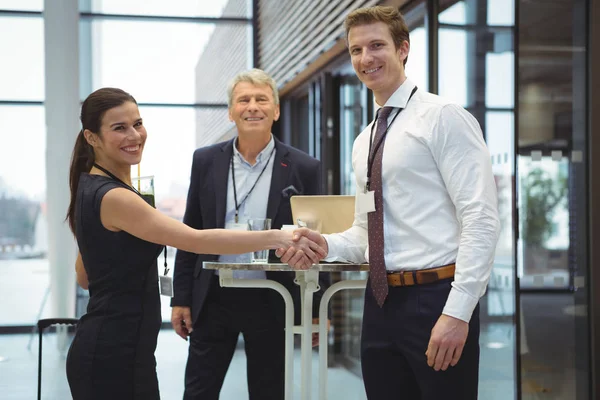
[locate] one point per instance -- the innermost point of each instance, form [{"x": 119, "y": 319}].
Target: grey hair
[{"x": 254, "y": 76}]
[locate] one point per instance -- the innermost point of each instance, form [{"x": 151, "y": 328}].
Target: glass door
[
  {"x": 476, "y": 69},
  {"x": 553, "y": 211}
]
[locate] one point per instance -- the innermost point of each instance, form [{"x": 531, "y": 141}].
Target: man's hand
[
  {"x": 296, "y": 258},
  {"x": 315, "y": 335},
  {"x": 447, "y": 342},
  {"x": 181, "y": 319}
]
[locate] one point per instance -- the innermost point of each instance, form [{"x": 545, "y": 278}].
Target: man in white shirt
[{"x": 426, "y": 220}]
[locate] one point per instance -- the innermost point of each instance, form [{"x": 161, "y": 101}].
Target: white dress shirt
[{"x": 439, "y": 197}]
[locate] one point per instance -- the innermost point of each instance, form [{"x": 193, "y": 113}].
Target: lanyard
[
  {"x": 111, "y": 175},
  {"x": 238, "y": 206},
  {"x": 371, "y": 156}
]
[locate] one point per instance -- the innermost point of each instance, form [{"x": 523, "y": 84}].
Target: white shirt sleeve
[
  {"x": 350, "y": 245},
  {"x": 464, "y": 162}
]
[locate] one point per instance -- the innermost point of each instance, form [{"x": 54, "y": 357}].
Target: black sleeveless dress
[{"x": 112, "y": 355}]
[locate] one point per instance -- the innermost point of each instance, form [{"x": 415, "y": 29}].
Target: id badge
[
  {"x": 365, "y": 202},
  {"x": 166, "y": 285},
  {"x": 236, "y": 226}
]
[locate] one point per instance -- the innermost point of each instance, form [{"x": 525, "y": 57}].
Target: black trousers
[
  {"x": 226, "y": 313},
  {"x": 395, "y": 339}
]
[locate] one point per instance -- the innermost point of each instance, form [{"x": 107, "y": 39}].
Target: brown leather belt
[{"x": 421, "y": 277}]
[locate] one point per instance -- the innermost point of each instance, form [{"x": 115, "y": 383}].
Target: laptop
[{"x": 326, "y": 214}]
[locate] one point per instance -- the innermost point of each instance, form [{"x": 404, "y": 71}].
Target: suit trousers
[
  {"x": 226, "y": 313},
  {"x": 395, "y": 339}
]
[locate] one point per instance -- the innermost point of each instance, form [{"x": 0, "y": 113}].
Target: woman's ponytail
[{"x": 82, "y": 160}]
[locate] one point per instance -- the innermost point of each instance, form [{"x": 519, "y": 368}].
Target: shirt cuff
[
  {"x": 460, "y": 305},
  {"x": 331, "y": 250}
]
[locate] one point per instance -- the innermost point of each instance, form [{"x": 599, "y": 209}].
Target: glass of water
[
  {"x": 145, "y": 186},
  {"x": 259, "y": 224}
]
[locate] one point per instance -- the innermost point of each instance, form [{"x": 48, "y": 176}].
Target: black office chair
[{"x": 42, "y": 324}]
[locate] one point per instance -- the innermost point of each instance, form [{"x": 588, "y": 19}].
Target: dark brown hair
[
  {"x": 388, "y": 15},
  {"x": 82, "y": 160}
]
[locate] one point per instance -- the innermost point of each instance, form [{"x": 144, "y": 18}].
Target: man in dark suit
[{"x": 251, "y": 176}]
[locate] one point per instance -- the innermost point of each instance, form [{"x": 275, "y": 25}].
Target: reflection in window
[
  {"x": 138, "y": 57},
  {"x": 22, "y": 67},
  {"x": 544, "y": 221},
  {"x": 181, "y": 8},
  {"x": 351, "y": 124}
]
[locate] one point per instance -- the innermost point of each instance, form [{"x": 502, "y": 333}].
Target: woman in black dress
[{"x": 119, "y": 237}]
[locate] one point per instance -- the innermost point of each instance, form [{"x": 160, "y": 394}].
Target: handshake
[{"x": 306, "y": 248}]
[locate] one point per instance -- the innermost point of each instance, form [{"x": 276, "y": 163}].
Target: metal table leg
[
  {"x": 309, "y": 284},
  {"x": 226, "y": 280},
  {"x": 336, "y": 287}
]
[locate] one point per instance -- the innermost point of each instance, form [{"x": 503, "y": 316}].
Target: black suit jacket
[{"x": 206, "y": 208}]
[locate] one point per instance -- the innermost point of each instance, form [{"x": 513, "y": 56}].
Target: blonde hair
[
  {"x": 388, "y": 15},
  {"x": 254, "y": 76}
]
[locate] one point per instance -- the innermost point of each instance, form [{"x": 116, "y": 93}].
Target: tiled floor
[
  {"x": 542, "y": 379},
  {"x": 553, "y": 368},
  {"x": 18, "y": 372}
]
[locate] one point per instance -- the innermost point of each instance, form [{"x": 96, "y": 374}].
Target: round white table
[{"x": 308, "y": 280}]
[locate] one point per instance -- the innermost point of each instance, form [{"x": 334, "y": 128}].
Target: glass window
[
  {"x": 416, "y": 66},
  {"x": 544, "y": 220},
  {"x": 181, "y": 8},
  {"x": 500, "y": 92},
  {"x": 453, "y": 65},
  {"x": 168, "y": 157},
  {"x": 140, "y": 58},
  {"x": 476, "y": 65},
  {"x": 214, "y": 126},
  {"x": 22, "y": 67},
  {"x": 22, "y": 150},
  {"x": 501, "y": 12},
  {"x": 168, "y": 151},
  {"x": 351, "y": 124},
  {"x": 455, "y": 14},
  {"x": 23, "y": 222},
  {"x": 22, "y": 5},
  {"x": 499, "y": 135}
]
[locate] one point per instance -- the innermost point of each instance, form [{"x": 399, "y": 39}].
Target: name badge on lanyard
[
  {"x": 166, "y": 285},
  {"x": 365, "y": 202}
]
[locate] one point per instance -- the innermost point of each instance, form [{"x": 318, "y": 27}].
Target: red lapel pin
[{"x": 283, "y": 164}]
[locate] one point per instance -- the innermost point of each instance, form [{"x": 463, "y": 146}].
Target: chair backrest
[{"x": 42, "y": 324}]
